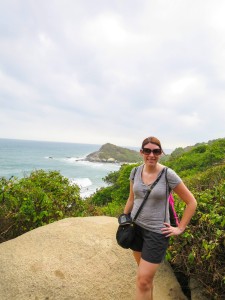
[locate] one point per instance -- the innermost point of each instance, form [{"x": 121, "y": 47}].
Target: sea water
[{"x": 19, "y": 158}]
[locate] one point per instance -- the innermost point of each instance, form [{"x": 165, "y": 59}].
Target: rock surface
[{"x": 75, "y": 258}]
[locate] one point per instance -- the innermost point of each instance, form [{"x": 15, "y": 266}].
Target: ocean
[{"x": 19, "y": 158}]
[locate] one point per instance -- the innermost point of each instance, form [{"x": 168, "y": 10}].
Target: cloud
[{"x": 84, "y": 71}]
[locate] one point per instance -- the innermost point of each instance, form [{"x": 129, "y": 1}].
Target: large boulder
[{"x": 75, "y": 258}]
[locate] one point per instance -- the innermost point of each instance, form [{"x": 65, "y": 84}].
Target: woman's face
[{"x": 151, "y": 154}]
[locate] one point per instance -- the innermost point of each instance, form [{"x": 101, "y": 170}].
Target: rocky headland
[{"x": 114, "y": 154}]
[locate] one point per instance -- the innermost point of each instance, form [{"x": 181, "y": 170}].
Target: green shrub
[
  {"x": 199, "y": 252},
  {"x": 36, "y": 200},
  {"x": 197, "y": 158},
  {"x": 102, "y": 197},
  {"x": 111, "y": 200}
]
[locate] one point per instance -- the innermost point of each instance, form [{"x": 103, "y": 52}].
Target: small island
[{"x": 114, "y": 154}]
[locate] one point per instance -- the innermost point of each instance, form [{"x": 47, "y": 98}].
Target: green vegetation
[
  {"x": 199, "y": 251},
  {"x": 33, "y": 201},
  {"x": 111, "y": 200},
  {"x": 197, "y": 158},
  {"x": 44, "y": 197}
]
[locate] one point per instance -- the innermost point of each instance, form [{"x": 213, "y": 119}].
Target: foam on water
[
  {"x": 86, "y": 186},
  {"x": 80, "y": 161},
  {"x": 72, "y": 159},
  {"x": 81, "y": 182}
]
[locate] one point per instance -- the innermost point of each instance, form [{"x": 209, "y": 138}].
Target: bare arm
[
  {"x": 130, "y": 201},
  {"x": 183, "y": 192}
]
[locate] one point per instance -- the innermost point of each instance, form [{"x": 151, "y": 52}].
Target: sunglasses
[{"x": 149, "y": 151}]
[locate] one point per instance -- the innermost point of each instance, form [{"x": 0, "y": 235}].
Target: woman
[{"x": 152, "y": 227}]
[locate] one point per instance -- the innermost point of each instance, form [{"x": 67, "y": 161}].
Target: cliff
[{"x": 112, "y": 153}]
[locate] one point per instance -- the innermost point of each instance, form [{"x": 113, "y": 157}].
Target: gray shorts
[{"x": 152, "y": 245}]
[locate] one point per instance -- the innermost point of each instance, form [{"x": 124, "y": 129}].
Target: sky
[{"x": 117, "y": 71}]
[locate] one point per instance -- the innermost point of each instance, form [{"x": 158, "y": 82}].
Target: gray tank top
[{"x": 153, "y": 213}]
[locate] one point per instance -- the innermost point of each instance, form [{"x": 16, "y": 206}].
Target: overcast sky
[{"x": 115, "y": 71}]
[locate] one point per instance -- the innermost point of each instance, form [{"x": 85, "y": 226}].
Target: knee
[{"x": 144, "y": 283}]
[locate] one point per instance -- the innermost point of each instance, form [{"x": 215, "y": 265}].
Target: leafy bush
[
  {"x": 102, "y": 197},
  {"x": 197, "y": 159},
  {"x": 113, "y": 198},
  {"x": 33, "y": 201},
  {"x": 199, "y": 252}
]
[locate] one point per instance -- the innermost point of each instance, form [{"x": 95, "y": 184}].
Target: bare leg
[
  {"x": 145, "y": 276},
  {"x": 137, "y": 256}
]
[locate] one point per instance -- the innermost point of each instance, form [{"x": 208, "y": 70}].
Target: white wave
[
  {"x": 90, "y": 164},
  {"x": 67, "y": 159},
  {"x": 81, "y": 182},
  {"x": 98, "y": 165},
  {"x": 73, "y": 159},
  {"x": 88, "y": 191},
  {"x": 86, "y": 186},
  {"x": 81, "y": 162}
]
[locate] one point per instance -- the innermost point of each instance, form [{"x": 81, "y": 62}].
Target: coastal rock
[
  {"x": 111, "y": 159},
  {"x": 112, "y": 154},
  {"x": 75, "y": 258}
]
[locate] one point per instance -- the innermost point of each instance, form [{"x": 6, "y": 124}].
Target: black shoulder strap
[
  {"x": 135, "y": 170},
  {"x": 147, "y": 194},
  {"x": 167, "y": 181}
]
